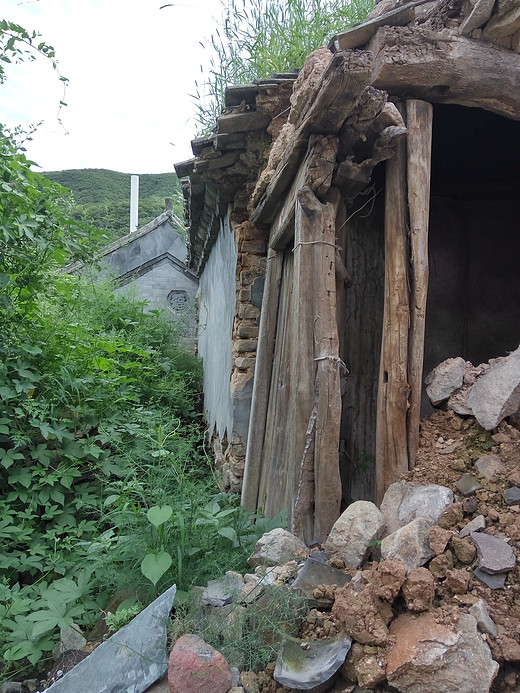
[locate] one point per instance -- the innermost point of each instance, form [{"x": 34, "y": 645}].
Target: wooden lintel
[
  {"x": 262, "y": 384},
  {"x": 341, "y": 84},
  {"x": 393, "y": 389},
  {"x": 419, "y": 116},
  {"x": 316, "y": 172},
  {"x": 444, "y": 68}
]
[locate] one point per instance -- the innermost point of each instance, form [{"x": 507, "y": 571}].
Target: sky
[{"x": 131, "y": 68}]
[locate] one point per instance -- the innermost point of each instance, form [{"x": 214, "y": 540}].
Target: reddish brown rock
[
  {"x": 348, "y": 668},
  {"x": 361, "y": 614},
  {"x": 441, "y": 564},
  {"x": 510, "y": 648},
  {"x": 429, "y": 657},
  {"x": 451, "y": 517},
  {"x": 370, "y": 671},
  {"x": 387, "y": 578},
  {"x": 439, "y": 539},
  {"x": 457, "y": 581},
  {"x": 196, "y": 667},
  {"x": 464, "y": 549},
  {"x": 419, "y": 590}
]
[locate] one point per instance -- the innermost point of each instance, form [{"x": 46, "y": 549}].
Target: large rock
[
  {"x": 353, "y": 534},
  {"x": 196, "y": 667},
  {"x": 495, "y": 555},
  {"x": 361, "y": 614},
  {"x": 306, "y": 664},
  {"x": 410, "y": 544},
  {"x": 496, "y": 394},
  {"x": 447, "y": 377},
  {"x": 131, "y": 660},
  {"x": 276, "y": 547},
  {"x": 404, "y": 502},
  {"x": 429, "y": 657}
]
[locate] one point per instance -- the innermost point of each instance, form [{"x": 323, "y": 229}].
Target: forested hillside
[{"x": 102, "y": 197}]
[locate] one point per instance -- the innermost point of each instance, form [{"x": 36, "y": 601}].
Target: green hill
[{"x": 102, "y": 197}]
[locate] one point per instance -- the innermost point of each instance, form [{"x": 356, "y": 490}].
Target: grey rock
[
  {"x": 71, "y": 638},
  {"x": 485, "y": 623},
  {"x": 12, "y": 687},
  {"x": 475, "y": 525},
  {"x": 468, "y": 484},
  {"x": 354, "y": 532},
  {"x": 495, "y": 555},
  {"x": 489, "y": 466},
  {"x": 306, "y": 664},
  {"x": 316, "y": 573},
  {"x": 445, "y": 379},
  {"x": 411, "y": 543},
  {"x": 131, "y": 660},
  {"x": 496, "y": 394},
  {"x": 160, "y": 686},
  {"x": 404, "y": 502},
  {"x": 478, "y": 16},
  {"x": 223, "y": 591},
  {"x": 512, "y": 495},
  {"x": 495, "y": 582},
  {"x": 276, "y": 547}
]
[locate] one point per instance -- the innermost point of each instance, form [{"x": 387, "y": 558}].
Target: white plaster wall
[{"x": 217, "y": 307}]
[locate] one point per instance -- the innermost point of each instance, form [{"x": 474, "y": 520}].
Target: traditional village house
[{"x": 352, "y": 226}]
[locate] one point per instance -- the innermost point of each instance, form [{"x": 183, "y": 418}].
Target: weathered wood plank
[
  {"x": 316, "y": 172},
  {"x": 262, "y": 384},
  {"x": 442, "y": 68},
  {"x": 419, "y": 116},
  {"x": 392, "y": 401}
]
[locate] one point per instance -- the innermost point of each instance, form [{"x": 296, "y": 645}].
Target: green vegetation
[
  {"x": 102, "y": 198},
  {"x": 257, "y": 38}
]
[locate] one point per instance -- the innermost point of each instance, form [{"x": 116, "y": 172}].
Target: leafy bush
[{"x": 258, "y": 38}]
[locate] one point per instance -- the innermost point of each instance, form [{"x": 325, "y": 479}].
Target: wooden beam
[
  {"x": 444, "y": 68},
  {"x": 419, "y": 116},
  {"x": 392, "y": 400},
  {"x": 262, "y": 383},
  {"x": 316, "y": 172}
]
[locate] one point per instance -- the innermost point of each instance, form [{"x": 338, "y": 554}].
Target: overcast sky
[{"x": 131, "y": 67}]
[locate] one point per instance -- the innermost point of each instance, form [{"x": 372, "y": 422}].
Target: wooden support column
[
  {"x": 317, "y": 369},
  {"x": 261, "y": 386},
  {"x": 393, "y": 390},
  {"x": 419, "y": 116}
]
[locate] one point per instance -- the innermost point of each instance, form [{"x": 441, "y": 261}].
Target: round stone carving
[{"x": 178, "y": 301}]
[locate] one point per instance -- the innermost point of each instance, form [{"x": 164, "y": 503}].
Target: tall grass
[{"x": 257, "y": 38}]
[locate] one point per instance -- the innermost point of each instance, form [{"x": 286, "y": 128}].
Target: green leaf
[
  {"x": 229, "y": 533},
  {"x": 158, "y": 515},
  {"x": 154, "y": 565}
]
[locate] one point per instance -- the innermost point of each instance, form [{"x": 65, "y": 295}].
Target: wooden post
[
  {"x": 262, "y": 384},
  {"x": 419, "y": 115},
  {"x": 392, "y": 399}
]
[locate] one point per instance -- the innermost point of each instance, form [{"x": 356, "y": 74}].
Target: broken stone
[
  {"x": 306, "y": 664},
  {"x": 478, "y": 16},
  {"x": 496, "y": 394},
  {"x": 316, "y": 573},
  {"x": 495, "y": 582},
  {"x": 495, "y": 555},
  {"x": 457, "y": 581},
  {"x": 512, "y": 495},
  {"x": 510, "y": 648},
  {"x": 489, "y": 466},
  {"x": 276, "y": 547},
  {"x": 369, "y": 671},
  {"x": 388, "y": 578},
  {"x": 361, "y": 614},
  {"x": 131, "y": 659},
  {"x": 404, "y": 502},
  {"x": 439, "y": 539},
  {"x": 470, "y": 505},
  {"x": 196, "y": 667},
  {"x": 440, "y": 565},
  {"x": 445, "y": 379},
  {"x": 223, "y": 591},
  {"x": 468, "y": 484},
  {"x": 410, "y": 544},
  {"x": 451, "y": 517},
  {"x": 475, "y": 525},
  {"x": 419, "y": 590},
  {"x": 71, "y": 638},
  {"x": 353, "y": 534},
  {"x": 485, "y": 623},
  {"x": 429, "y": 657},
  {"x": 249, "y": 682},
  {"x": 464, "y": 549}
]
